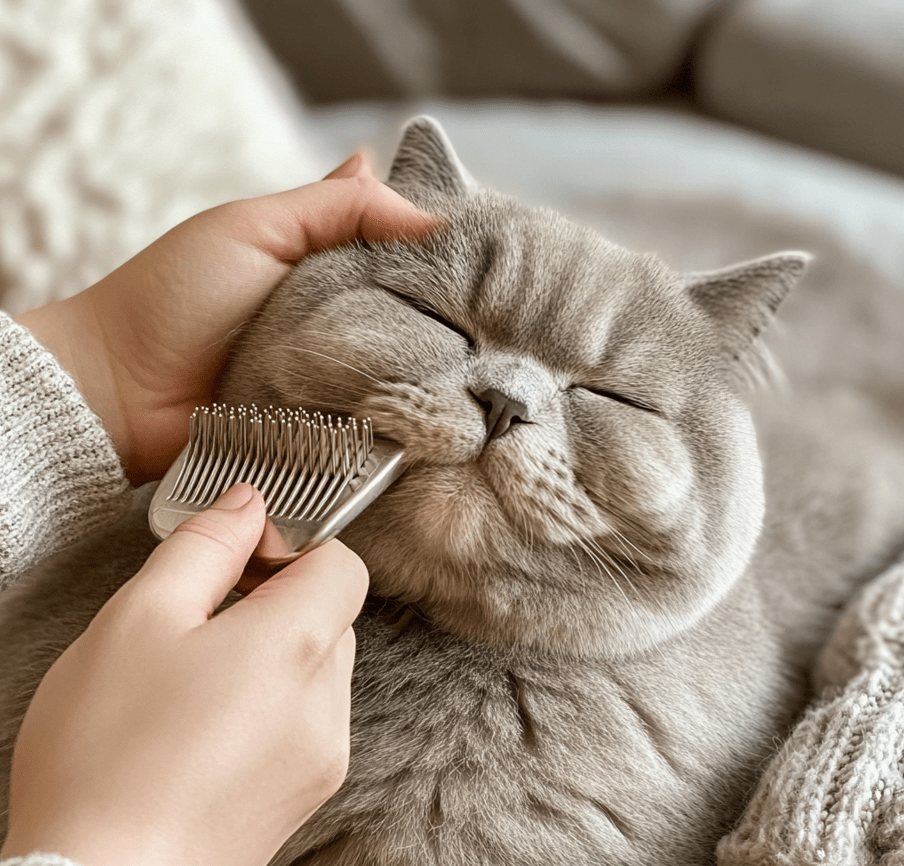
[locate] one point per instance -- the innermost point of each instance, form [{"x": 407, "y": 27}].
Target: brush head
[{"x": 316, "y": 473}]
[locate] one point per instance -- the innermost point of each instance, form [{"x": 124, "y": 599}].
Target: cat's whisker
[
  {"x": 606, "y": 508},
  {"x": 327, "y": 336},
  {"x": 614, "y": 563},
  {"x": 608, "y": 558},
  {"x": 626, "y": 548},
  {"x": 625, "y": 542},
  {"x": 656, "y": 646},
  {"x": 356, "y": 391},
  {"x": 603, "y": 569},
  {"x": 577, "y": 559},
  {"x": 336, "y": 361}
]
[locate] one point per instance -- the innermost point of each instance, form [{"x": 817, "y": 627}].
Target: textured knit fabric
[
  {"x": 835, "y": 792},
  {"x": 61, "y": 475},
  {"x": 121, "y": 118}
]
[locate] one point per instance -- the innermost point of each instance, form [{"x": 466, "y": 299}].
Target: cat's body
[{"x": 591, "y": 647}]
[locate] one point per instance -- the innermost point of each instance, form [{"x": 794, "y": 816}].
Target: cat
[{"x": 598, "y": 588}]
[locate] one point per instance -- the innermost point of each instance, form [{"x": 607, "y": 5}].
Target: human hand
[
  {"x": 147, "y": 343},
  {"x": 166, "y": 735}
]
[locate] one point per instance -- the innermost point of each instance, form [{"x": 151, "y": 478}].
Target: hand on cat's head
[{"x": 147, "y": 343}]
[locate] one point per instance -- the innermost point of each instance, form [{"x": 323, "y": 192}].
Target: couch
[{"x": 706, "y": 130}]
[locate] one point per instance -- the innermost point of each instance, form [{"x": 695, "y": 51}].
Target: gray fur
[
  {"x": 586, "y": 636},
  {"x": 743, "y": 299}
]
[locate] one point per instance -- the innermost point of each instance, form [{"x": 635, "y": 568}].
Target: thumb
[
  {"x": 194, "y": 569},
  {"x": 319, "y": 594},
  {"x": 357, "y": 165}
]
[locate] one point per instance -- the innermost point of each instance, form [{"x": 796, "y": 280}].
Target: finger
[
  {"x": 319, "y": 594},
  {"x": 193, "y": 570},
  {"x": 357, "y": 165},
  {"x": 289, "y": 225}
]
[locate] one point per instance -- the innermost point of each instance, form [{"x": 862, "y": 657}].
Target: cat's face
[{"x": 620, "y": 494}]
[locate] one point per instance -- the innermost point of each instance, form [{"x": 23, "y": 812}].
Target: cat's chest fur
[{"x": 463, "y": 754}]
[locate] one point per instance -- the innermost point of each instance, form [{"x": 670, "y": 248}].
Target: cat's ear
[
  {"x": 742, "y": 299},
  {"x": 426, "y": 161}
]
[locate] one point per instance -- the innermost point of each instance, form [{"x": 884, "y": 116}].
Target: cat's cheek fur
[
  {"x": 437, "y": 421},
  {"x": 338, "y": 375},
  {"x": 650, "y": 474},
  {"x": 733, "y": 508}
]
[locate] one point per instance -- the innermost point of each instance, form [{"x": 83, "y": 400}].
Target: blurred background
[
  {"x": 706, "y": 130},
  {"x": 825, "y": 73}
]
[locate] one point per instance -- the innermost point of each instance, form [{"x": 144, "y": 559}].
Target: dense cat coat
[{"x": 584, "y": 637}]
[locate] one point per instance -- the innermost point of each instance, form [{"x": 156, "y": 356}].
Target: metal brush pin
[{"x": 316, "y": 473}]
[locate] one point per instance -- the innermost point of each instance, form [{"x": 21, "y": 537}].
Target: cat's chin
[
  {"x": 455, "y": 515},
  {"x": 439, "y": 538}
]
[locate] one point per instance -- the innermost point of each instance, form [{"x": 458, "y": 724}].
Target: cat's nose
[{"x": 501, "y": 411}]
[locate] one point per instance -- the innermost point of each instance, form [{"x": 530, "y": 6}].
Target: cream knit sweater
[
  {"x": 833, "y": 795},
  {"x": 61, "y": 476}
]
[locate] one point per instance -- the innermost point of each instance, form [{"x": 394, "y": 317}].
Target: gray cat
[{"x": 598, "y": 587}]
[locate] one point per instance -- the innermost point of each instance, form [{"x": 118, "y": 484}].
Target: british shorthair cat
[{"x": 599, "y": 584}]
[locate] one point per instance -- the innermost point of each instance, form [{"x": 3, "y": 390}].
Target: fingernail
[
  {"x": 234, "y": 498},
  {"x": 347, "y": 168},
  {"x": 351, "y": 163}
]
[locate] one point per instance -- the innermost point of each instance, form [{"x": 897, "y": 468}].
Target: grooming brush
[{"x": 316, "y": 473}]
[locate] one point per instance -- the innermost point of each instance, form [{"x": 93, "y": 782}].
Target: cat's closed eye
[
  {"x": 622, "y": 398},
  {"x": 430, "y": 313}
]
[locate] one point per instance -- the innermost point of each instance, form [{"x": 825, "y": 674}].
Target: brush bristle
[{"x": 301, "y": 462}]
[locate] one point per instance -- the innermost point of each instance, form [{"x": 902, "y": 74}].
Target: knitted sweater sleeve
[
  {"x": 834, "y": 794},
  {"x": 60, "y": 476}
]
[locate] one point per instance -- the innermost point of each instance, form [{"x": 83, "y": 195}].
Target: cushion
[
  {"x": 121, "y": 118},
  {"x": 826, "y": 73},
  {"x": 360, "y": 49}
]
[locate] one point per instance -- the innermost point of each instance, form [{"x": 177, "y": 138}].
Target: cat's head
[{"x": 583, "y": 475}]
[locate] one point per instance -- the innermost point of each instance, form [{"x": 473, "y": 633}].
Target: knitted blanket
[
  {"x": 119, "y": 119},
  {"x": 834, "y": 794}
]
